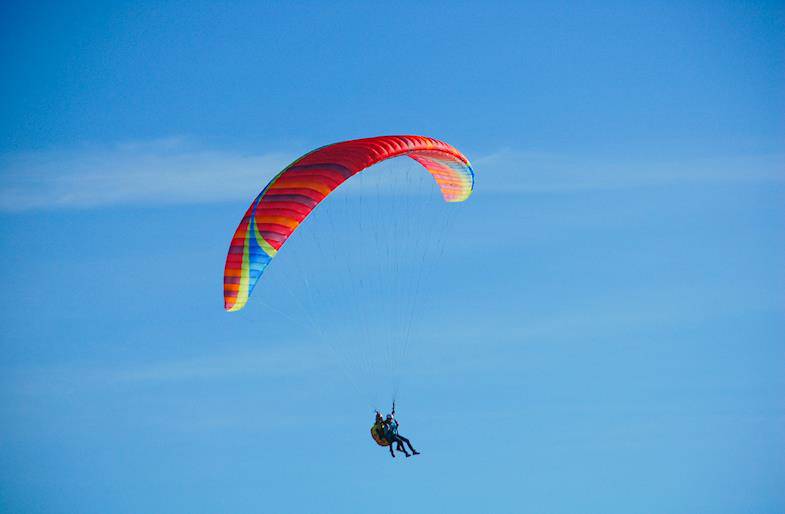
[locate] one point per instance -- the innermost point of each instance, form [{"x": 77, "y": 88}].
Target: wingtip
[{"x": 232, "y": 307}]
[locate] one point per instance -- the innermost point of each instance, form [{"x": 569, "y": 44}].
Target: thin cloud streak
[
  {"x": 174, "y": 171},
  {"x": 156, "y": 173},
  {"x": 265, "y": 362},
  {"x": 511, "y": 171},
  {"x": 269, "y": 362}
]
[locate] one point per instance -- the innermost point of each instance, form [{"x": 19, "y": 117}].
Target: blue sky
[{"x": 608, "y": 335}]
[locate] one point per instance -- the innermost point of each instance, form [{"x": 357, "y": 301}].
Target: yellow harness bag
[{"x": 377, "y": 432}]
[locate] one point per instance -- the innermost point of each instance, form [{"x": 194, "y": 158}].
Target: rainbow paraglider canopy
[{"x": 294, "y": 193}]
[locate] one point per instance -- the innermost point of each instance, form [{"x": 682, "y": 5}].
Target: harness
[
  {"x": 378, "y": 434},
  {"x": 379, "y": 431}
]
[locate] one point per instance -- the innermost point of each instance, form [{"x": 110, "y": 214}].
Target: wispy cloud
[
  {"x": 531, "y": 172},
  {"x": 265, "y": 362},
  {"x": 157, "y": 172},
  {"x": 176, "y": 170},
  {"x": 269, "y": 362}
]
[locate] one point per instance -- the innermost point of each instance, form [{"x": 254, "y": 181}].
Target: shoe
[
  {"x": 408, "y": 455},
  {"x": 415, "y": 452}
]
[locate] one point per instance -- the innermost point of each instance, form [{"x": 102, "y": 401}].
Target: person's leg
[
  {"x": 402, "y": 438},
  {"x": 392, "y": 453},
  {"x": 399, "y": 441}
]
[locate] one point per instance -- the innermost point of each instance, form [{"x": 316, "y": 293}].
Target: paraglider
[
  {"x": 293, "y": 194},
  {"x": 385, "y": 432}
]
